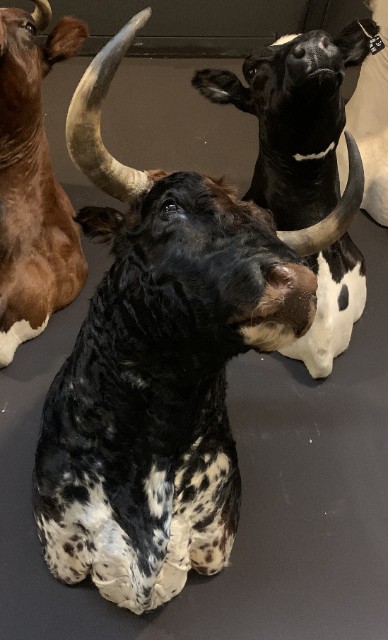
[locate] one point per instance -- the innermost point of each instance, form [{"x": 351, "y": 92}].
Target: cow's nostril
[
  {"x": 324, "y": 42},
  {"x": 299, "y": 51}
]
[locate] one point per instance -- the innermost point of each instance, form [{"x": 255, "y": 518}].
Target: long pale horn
[
  {"x": 321, "y": 235},
  {"x": 83, "y": 125},
  {"x": 42, "y": 14}
]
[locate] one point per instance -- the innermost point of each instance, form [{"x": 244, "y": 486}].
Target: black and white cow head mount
[
  {"x": 294, "y": 86},
  {"x": 211, "y": 266}
]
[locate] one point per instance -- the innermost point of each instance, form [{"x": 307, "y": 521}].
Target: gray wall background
[{"x": 194, "y": 28}]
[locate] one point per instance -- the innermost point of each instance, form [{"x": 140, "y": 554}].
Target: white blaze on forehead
[
  {"x": 285, "y": 39},
  {"x": 315, "y": 156}
]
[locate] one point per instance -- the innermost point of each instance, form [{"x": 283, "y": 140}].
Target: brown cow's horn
[
  {"x": 83, "y": 132},
  {"x": 321, "y": 235},
  {"x": 42, "y": 14}
]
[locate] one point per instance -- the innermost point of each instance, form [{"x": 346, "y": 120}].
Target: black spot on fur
[
  {"x": 68, "y": 548},
  {"x": 209, "y": 557},
  {"x": 343, "y": 298},
  {"x": 189, "y": 494},
  {"x": 201, "y": 526},
  {"x": 82, "y": 527},
  {"x": 73, "y": 493},
  {"x": 204, "y": 484}
]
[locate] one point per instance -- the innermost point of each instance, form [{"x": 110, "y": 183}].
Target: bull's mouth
[
  {"x": 268, "y": 335},
  {"x": 272, "y": 334}
]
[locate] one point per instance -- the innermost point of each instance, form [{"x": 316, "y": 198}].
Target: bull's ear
[
  {"x": 353, "y": 41},
  {"x": 223, "y": 87},
  {"x": 64, "y": 41},
  {"x": 158, "y": 174},
  {"x": 102, "y": 223}
]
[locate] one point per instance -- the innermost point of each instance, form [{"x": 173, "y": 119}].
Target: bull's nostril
[
  {"x": 324, "y": 42},
  {"x": 299, "y": 51}
]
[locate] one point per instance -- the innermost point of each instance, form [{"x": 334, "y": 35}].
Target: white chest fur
[
  {"x": 332, "y": 328},
  {"x": 89, "y": 539}
]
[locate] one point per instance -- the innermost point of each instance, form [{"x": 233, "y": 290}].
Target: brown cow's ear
[{"x": 64, "y": 41}]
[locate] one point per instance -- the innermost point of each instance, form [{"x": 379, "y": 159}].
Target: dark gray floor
[{"x": 311, "y": 556}]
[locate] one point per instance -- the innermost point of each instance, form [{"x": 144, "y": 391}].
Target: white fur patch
[
  {"x": 331, "y": 330},
  {"x": 20, "y": 331},
  {"x": 315, "y": 156},
  {"x": 156, "y": 491},
  {"x": 88, "y": 539},
  {"x": 217, "y": 92},
  {"x": 267, "y": 336},
  {"x": 285, "y": 39}
]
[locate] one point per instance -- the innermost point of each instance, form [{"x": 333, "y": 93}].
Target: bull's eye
[
  {"x": 169, "y": 206},
  {"x": 171, "y": 209},
  {"x": 251, "y": 72},
  {"x": 31, "y": 28}
]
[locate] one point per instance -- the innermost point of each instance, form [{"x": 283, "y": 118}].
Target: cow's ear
[
  {"x": 158, "y": 174},
  {"x": 353, "y": 41},
  {"x": 64, "y": 41},
  {"x": 103, "y": 223},
  {"x": 223, "y": 87}
]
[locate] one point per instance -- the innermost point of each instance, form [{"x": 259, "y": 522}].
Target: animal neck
[
  {"x": 21, "y": 113},
  {"x": 27, "y": 184},
  {"x": 296, "y": 173},
  {"x": 145, "y": 395},
  {"x": 298, "y": 192},
  {"x": 141, "y": 374},
  {"x": 21, "y": 138}
]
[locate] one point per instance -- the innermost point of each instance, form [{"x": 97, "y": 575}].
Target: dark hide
[
  {"x": 300, "y": 112},
  {"x": 136, "y": 476},
  {"x": 294, "y": 89}
]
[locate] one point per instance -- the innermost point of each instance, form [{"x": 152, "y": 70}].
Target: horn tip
[{"x": 141, "y": 18}]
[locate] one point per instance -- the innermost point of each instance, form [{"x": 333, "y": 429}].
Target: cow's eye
[
  {"x": 170, "y": 209},
  {"x": 251, "y": 72},
  {"x": 31, "y": 28},
  {"x": 169, "y": 206}
]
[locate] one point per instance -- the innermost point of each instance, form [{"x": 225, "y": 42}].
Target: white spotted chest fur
[{"x": 89, "y": 540}]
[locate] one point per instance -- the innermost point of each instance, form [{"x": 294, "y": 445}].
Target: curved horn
[
  {"x": 83, "y": 124},
  {"x": 321, "y": 235},
  {"x": 42, "y": 14}
]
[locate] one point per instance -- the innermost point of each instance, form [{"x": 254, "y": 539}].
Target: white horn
[{"x": 83, "y": 125}]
